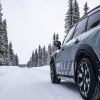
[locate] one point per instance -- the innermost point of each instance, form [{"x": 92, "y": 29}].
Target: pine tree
[
  {"x": 76, "y": 14},
  {"x": 1, "y": 35},
  {"x": 5, "y": 42},
  {"x": 13, "y": 60},
  {"x": 11, "y": 55},
  {"x": 44, "y": 56},
  {"x": 49, "y": 53},
  {"x": 69, "y": 17},
  {"x": 86, "y": 8},
  {"x": 0, "y": 13},
  {"x": 3, "y": 39},
  {"x": 16, "y": 60},
  {"x": 36, "y": 58},
  {"x": 57, "y": 37},
  {"x": 30, "y": 62},
  {"x": 54, "y": 37},
  {"x": 33, "y": 59},
  {"x": 40, "y": 56}
]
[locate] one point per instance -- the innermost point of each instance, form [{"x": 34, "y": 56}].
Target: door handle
[{"x": 77, "y": 41}]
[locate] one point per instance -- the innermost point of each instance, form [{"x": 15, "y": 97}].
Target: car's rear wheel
[
  {"x": 86, "y": 79},
  {"x": 54, "y": 77}
]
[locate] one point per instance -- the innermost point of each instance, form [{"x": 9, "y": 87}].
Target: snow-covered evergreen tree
[
  {"x": 76, "y": 13},
  {"x": 36, "y": 58},
  {"x": 49, "y": 53},
  {"x": 28, "y": 64},
  {"x": 0, "y": 13},
  {"x": 40, "y": 56},
  {"x": 57, "y": 37},
  {"x": 72, "y": 15},
  {"x": 54, "y": 37},
  {"x": 86, "y": 8},
  {"x": 3, "y": 39},
  {"x": 16, "y": 60},
  {"x": 11, "y": 55},
  {"x": 33, "y": 59},
  {"x": 69, "y": 17},
  {"x": 1, "y": 35},
  {"x": 51, "y": 47},
  {"x": 5, "y": 42},
  {"x": 44, "y": 56}
]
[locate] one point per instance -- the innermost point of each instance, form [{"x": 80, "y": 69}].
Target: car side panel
[
  {"x": 67, "y": 56},
  {"x": 91, "y": 38}
]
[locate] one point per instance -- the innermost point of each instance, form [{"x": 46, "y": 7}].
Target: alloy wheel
[{"x": 84, "y": 78}]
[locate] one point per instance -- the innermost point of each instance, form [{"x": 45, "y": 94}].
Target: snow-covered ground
[{"x": 33, "y": 84}]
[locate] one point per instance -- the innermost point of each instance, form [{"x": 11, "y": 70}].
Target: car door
[
  {"x": 71, "y": 46},
  {"x": 65, "y": 50}
]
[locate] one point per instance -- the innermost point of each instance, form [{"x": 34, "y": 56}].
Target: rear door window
[
  {"x": 94, "y": 20},
  {"x": 81, "y": 27}
]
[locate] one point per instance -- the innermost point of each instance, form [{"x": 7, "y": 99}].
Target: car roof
[
  {"x": 88, "y": 14},
  {"x": 91, "y": 12}
]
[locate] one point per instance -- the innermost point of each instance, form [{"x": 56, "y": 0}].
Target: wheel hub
[{"x": 84, "y": 78}]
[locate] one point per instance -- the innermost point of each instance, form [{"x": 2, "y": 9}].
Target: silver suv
[{"x": 78, "y": 57}]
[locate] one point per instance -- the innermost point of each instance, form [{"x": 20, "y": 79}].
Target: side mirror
[{"x": 57, "y": 44}]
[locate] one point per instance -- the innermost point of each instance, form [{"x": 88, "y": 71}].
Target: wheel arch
[{"x": 86, "y": 51}]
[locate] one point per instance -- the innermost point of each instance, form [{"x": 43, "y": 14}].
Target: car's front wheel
[
  {"x": 86, "y": 79},
  {"x": 54, "y": 77}
]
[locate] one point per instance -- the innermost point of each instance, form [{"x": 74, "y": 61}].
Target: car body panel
[
  {"x": 82, "y": 42},
  {"x": 64, "y": 59},
  {"x": 89, "y": 38}
]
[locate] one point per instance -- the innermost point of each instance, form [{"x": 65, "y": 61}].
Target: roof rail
[{"x": 92, "y": 10}]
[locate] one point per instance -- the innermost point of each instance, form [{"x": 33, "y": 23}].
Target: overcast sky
[{"x": 33, "y": 22}]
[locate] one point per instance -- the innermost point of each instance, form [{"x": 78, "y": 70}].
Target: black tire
[
  {"x": 54, "y": 77},
  {"x": 86, "y": 79}
]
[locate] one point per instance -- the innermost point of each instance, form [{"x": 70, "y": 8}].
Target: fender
[{"x": 86, "y": 51}]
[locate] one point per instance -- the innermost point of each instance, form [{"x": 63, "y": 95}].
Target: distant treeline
[
  {"x": 41, "y": 56},
  {"x": 7, "y": 56}
]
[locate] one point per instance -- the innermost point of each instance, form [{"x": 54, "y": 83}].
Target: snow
[{"x": 33, "y": 84}]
